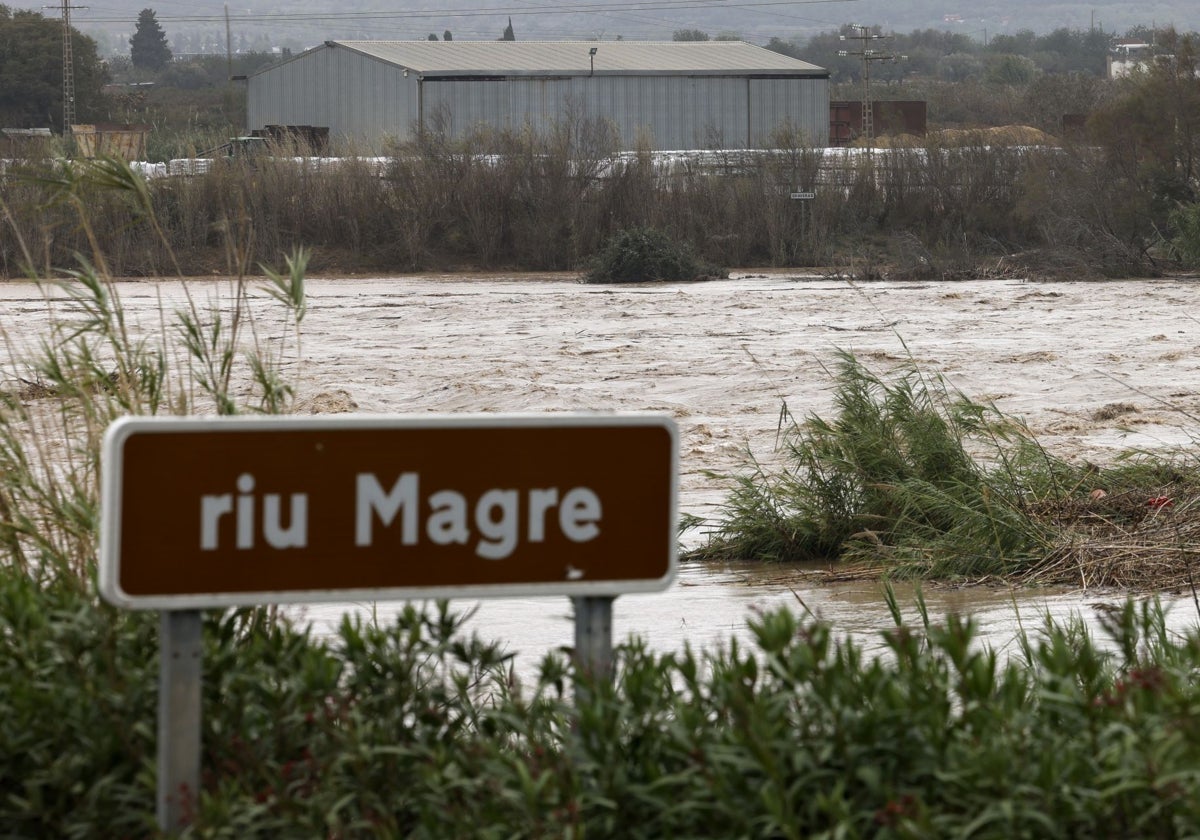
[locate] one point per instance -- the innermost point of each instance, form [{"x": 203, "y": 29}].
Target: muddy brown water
[
  {"x": 1094, "y": 369},
  {"x": 708, "y": 606}
]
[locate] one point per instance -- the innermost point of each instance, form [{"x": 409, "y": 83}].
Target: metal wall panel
[
  {"x": 668, "y": 112},
  {"x": 465, "y": 105},
  {"x": 775, "y": 103},
  {"x": 361, "y": 100}
]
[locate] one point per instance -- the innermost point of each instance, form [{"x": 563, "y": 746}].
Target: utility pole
[
  {"x": 228, "y": 47},
  {"x": 865, "y": 36},
  {"x": 68, "y": 67},
  {"x": 68, "y": 70},
  {"x": 228, "y": 65}
]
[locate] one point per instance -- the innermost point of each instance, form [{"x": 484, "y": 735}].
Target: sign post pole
[
  {"x": 593, "y": 637},
  {"x": 179, "y": 682},
  {"x": 593, "y": 634},
  {"x": 804, "y": 198}
]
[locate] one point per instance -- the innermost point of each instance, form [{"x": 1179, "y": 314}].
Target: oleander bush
[{"x": 413, "y": 729}]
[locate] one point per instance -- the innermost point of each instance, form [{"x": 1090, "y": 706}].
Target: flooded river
[
  {"x": 1093, "y": 368},
  {"x": 707, "y": 606}
]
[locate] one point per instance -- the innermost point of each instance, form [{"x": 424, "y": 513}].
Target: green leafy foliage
[
  {"x": 76, "y": 711},
  {"x": 907, "y": 473},
  {"x": 1150, "y": 129},
  {"x": 1004, "y": 59},
  {"x": 31, "y": 72},
  {"x": 412, "y": 729},
  {"x": 644, "y": 254}
]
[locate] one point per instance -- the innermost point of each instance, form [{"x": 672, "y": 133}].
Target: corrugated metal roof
[{"x": 488, "y": 58}]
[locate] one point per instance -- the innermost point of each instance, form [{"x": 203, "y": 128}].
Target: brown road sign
[{"x": 228, "y": 511}]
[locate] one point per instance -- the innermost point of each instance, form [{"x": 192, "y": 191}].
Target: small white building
[
  {"x": 1125, "y": 57},
  {"x": 674, "y": 95}
]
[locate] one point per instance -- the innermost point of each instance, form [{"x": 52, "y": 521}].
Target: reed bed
[{"x": 910, "y": 478}]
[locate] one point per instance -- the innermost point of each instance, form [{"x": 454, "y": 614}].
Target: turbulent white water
[{"x": 1093, "y": 368}]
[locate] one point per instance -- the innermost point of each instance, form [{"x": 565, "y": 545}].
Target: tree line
[
  {"x": 31, "y": 67},
  {"x": 956, "y": 57}
]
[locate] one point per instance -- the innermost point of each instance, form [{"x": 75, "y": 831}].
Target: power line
[{"x": 581, "y": 8}]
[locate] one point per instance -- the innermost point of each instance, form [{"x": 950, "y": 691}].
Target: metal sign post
[
  {"x": 593, "y": 643},
  {"x": 181, "y": 649},
  {"x": 804, "y": 197},
  {"x": 593, "y": 635}
]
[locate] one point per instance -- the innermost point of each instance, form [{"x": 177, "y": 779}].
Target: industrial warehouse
[{"x": 676, "y": 95}]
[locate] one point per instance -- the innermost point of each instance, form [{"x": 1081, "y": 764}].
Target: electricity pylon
[
  {"x": 68, "y": 68},
  {"x": 868, "y": 55}
]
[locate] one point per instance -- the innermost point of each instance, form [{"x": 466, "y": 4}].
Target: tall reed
[
  {"x": 96, "y": 365},
  {"x": 907, "y": 474}
]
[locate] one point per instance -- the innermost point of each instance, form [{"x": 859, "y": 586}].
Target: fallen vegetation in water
[
  {"x": 1143, "y": 537},
  {"x": 912, "y": 479}
]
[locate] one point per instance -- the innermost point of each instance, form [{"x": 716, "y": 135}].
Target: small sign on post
[
  {"x": 206, "y": 513},
  {"x": 803, "y": 196}
]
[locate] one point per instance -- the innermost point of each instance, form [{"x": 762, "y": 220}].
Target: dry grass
[
  {"x": 549, "y": 202},
  {"x": 1144, "y": 540},
  {"x": 1137, "y": 540}
]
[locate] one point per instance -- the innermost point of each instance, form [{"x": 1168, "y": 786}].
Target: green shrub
[
  {"x": 894, "y": 478},
  {"x": 412, "y": 729},
  {"x": 1185, "y": 221},
  {"x": 77, "y": 708},
  {"x": 643, "y": 254},
  {"x": 291, "y": 724}
]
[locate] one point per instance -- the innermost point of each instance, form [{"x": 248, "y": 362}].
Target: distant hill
[{"x": 199, "y": 25}]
